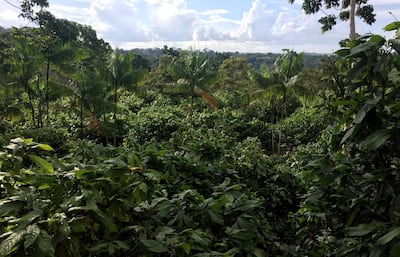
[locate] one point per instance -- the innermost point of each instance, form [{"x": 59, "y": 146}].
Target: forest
[{"x": 183, "y": 152}]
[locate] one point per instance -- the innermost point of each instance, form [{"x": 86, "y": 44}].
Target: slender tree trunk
[
  {"x": 47, "y": 92},
  {"x": 31, "y": 104},
  {"x": 39, "y": 107},
  {"x": 115, "y": 112},
  {"x": 352, "y": 19},
  {"x": 191, "y": 104},
  {"x": 272, "y": 127},
  {"x": 81, "y": 116}
]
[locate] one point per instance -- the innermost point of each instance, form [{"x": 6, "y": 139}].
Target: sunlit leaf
[
  {"x": 42, "y": 163},
  {"x": 12, "y": 240},
  {"x": 392, "y": 26},
  {"x": 186, "y": 248},
  {"x": 44, "y": 147}
]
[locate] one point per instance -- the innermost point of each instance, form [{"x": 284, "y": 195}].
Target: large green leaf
[
  {"x": 45, "y": 245},
  {"x": 362, "y": 229},
  {"x": 392, "y": 26},
  {"x": 42, "y": 163},
  {"x": 32, "y": 233},
  {"x": 11, "y": 206},
  {"x": 11, "y": 241},
  {"x": 389, "y": 236},
  {"x": 155, "y": 246},
  {"x": 44, "y": 147},
  {"x": 186, "y": 248},
  {"x": 375, "y": 140}
]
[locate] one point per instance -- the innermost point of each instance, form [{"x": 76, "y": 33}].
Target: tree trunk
[
  {"x": 28, "y": 91},
  {"x": 191, "y": 104},
  {"x": 115, "y": 112},
  {"x": 352, "y": 19},
  {"x": 47, "y": 92},
  {"x": 272, "y": 127}
]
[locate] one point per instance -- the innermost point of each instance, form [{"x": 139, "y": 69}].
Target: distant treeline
[{"x": 255, "y": 59}]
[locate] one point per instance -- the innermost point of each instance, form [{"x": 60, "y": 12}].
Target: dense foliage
[{"x": 196, "y": 154}]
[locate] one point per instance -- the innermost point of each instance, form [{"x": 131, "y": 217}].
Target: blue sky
[{"x": 222, "y": 25}]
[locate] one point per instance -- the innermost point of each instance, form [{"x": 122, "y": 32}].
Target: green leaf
[
  {"x": 377, "y": 40},
  {"x": 389, "y": 236},
  {"x": 80, "y": 173},
  {"x": 362, "y": 229},
  {"x": 11, "y": 241},
  {"x": 122, "y": 245},
  {"x": 163, "y": 232},
  {"x": 392, "y": 26},
  {"x": 186, "y": 248},
  {"x": 44, "y": 186},
  {"x": 360, "y": 116},
  {"x": 11, "y": 206},
  {"x": 42, "y": 163},
  {"x": 32, "y": 233},
  {"x": 395, "y": 251},
  {"x": 44, "y": 147},
  {"x": 348, "y": 134},
  {"x": 45, "y": 245},
  {"x": 375, "y": 140},
  {"x": 343, "y": 52},
  {"x": 155, "y": 246},
  {"x": 258, "y": 252}
]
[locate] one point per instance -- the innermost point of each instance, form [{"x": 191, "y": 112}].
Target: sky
[{"x": 221, "y": 25}]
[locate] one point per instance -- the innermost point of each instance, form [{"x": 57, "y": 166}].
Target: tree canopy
[{"x": 348, "y": 9}]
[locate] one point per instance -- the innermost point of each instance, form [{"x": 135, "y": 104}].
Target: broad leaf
[
  {"x": 45, "y": 245},
  {"x": 12, "y": 240},
  {"x": 375, "y": 140},
  {"x": 44, "y": 147},
  {"x": 186, "y": 248},
  {"x": 389, "y": 236},
  {"x": 155, "y": 246},
  {"x": 42, "y": 163},
  {"x": 392, "y": 26},
  {"x": 32, "y": 233},
  {"x": 11, "y": 206},
  {"x": 361, "y": 230}
]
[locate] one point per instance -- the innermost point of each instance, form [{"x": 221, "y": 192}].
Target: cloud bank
[{"x": 263, "y": 26}]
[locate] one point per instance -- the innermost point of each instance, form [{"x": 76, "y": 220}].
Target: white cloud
[
  {"x": 256, "y": 24},
  {"x": 266, "y": 25},
  {"x": 171, "y": 23}
]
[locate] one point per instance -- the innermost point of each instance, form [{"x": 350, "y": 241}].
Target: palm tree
[
  {"x": 276, "y": 85},
  {"x": 192, "y": 68},
  {"x": 25, "y": 65},
  {"x": 121, "y": 74}
]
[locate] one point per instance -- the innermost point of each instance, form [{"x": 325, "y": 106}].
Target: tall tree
[
  {"x": 234, "y": 74},
  {"x": 121, "y": 73},
  {"x": 193, "y": 68},
  {"x": 348, "y": 10},
  {"x": 29, "y": 9},
  {"x": 25, "y": 62}
]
